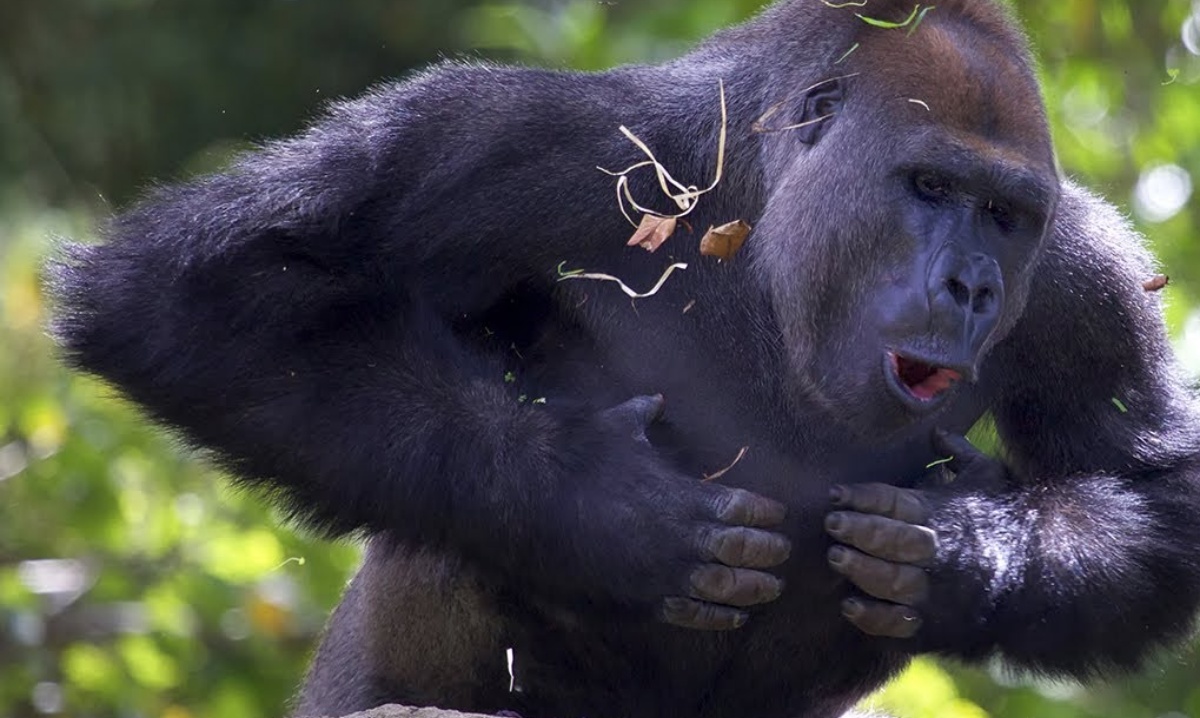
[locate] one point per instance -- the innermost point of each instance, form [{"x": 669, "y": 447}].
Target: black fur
[{"x": 368, "y": 320}]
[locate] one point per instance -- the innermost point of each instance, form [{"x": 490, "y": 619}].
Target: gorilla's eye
[
  {"x": 825, "y": 106},
  {"x": 1002, "y": 214},
  {"x": 931, "y": 187}
]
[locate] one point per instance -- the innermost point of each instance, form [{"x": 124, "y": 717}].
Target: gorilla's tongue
[{"x": 924, "y": 380}]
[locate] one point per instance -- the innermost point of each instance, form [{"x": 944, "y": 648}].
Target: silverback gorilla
[{"x": 371, "y": 321}]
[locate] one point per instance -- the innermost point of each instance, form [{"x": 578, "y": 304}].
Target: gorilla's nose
[{"x": 966, "y": 292}]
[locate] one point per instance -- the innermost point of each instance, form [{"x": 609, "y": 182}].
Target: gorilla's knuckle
[
  {"x": 698, "y": 615},
  {"x": 925, "y": 544},
  {"x": 909, "y": 585},
  {"x": 711, "y": 582},
  {"x": 731, "y": 506},
  {"x": 911, "y": 507}
]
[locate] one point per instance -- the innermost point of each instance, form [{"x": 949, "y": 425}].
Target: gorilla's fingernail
[
  {"x": 740, "y": 620},
  {"x": 838, "y": 555},
  {"x": 774, "y": 591},
  {"x": 852, "y": 608},
  {"x": 837, "y": 495},
  {"x": 834, "y": 522}
]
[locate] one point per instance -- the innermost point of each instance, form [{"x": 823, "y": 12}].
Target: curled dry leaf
[
  {"x": 725, "y": 241},
  {"x": 632, "y": 294},
  {"x": 741, "y": 455},
  {"x": 653, "y": 231},
  {"x": 1157, "y": 283}
]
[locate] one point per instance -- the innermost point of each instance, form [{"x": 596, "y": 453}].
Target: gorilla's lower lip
[{"x": 919, "y": 384}]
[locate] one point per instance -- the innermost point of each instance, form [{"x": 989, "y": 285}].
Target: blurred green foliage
[{"x": 132, "y": 581}]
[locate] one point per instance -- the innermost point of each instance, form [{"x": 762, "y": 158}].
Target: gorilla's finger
[
  {"x": 895, "y": 582},
  {"x": 738, "y": 507},
  {"x": 881, "y": 619},
  {"x": 884, "y": 538},
  {"x": 687, "y": 613},
  {"x": 636, "y": 414},
  {"x": 733, "y": 586},
  {"x": 746, "y": 547},
  {"x": 882, "y": 499}
]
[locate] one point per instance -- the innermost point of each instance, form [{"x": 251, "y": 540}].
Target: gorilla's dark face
[{"x": 927, "y": 195}]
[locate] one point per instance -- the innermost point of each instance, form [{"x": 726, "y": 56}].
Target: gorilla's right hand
[{"x": 632, "y": 529}]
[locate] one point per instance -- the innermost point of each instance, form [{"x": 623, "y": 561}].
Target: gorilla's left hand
[{"x": 885, "y": 544}]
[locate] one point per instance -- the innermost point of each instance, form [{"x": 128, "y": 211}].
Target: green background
[{"x": 133, "y": 582}]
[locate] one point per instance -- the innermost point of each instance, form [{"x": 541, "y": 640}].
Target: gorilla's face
[{"x": 901, "y": 239}]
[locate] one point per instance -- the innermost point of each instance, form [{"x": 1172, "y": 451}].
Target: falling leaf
[
  {"x": 940, "y": 462},
  {"x": 916, "y": 15},
  {"x": 920, "y": 17},
  {"x": 689, "y": 306},
  {"x": 725, "y": 241},
  {"x": 1120, "y": 405},
  {"x": 567, "y": 272},
  {"x": 652, "y": 232},
  {"x": 1172, "y": 76},
  {"x": 510, "y": 378},
  {"x": 1157, "y": 283},
  {"x": 727, "y": 469}
]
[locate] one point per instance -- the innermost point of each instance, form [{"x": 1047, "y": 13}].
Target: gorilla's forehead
[{"x": 969, "y": 80}]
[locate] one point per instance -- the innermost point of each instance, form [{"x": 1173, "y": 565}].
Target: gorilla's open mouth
[{"x": 918, "y": 382}]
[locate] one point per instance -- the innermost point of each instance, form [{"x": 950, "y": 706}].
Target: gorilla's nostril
[
  {"x": 983, "y": 300},
  {"x": 958, "y": 290}
]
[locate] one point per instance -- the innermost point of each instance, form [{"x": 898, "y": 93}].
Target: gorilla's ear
[{"x": 820, "y": 104}]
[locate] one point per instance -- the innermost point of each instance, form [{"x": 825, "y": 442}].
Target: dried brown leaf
[
  {"x": 1157, "y": 283},
  {"x": 652, "y": 232},
  {"x": 726, "y": 241}
]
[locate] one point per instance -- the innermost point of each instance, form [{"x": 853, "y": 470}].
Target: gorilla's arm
[
  {"x": 304, "y": 315},
  {"x": 1088, "y": 557},
  {"x": 1082, "y": 554}
]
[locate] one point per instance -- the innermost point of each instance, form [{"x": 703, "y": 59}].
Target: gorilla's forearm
[{"x": 1085, "y": 576}]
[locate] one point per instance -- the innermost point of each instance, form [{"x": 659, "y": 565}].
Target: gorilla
[{"x": 721, "y": 498}]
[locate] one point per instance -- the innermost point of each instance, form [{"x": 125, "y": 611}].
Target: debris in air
[
  {"x": 685, "y": 197},
  {"x": 579, "y": 274},
  {"x": 725, "y": 241},
  {"x": 652, "y": 232},
  {"x": 741, "y": 455},
  {"x": 1157, "y": 283}
]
